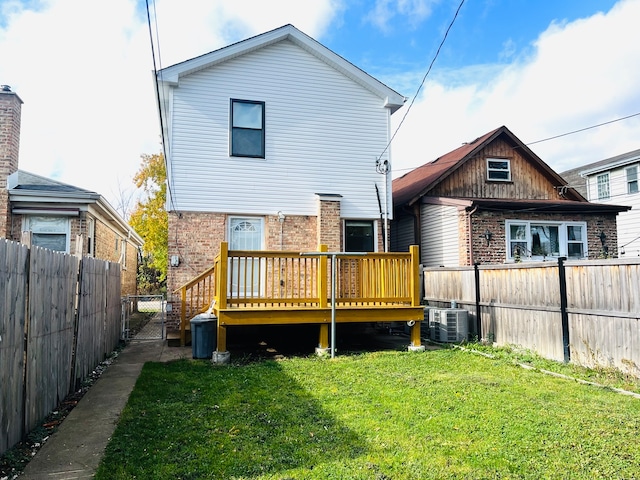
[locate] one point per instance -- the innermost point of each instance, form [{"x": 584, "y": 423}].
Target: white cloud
[
  {"x": 83, "y": 70},
  {"x": 581, "y": 73},
  {"x": 414, "y": 11}
]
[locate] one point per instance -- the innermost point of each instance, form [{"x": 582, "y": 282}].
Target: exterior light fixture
[
  {"x": 603, "y": 238},
  {"x": 487, "y": 235},
  {"x": 281, "y": 216}
]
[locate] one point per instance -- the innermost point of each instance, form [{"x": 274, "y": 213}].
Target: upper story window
[
  {"x": 603, "y": 186},
  {"x": 49, "y": 232},
  {"x": 632, "y": 179},
  {"x": 537, "y": 240},
  {"x": 499, "y": 169},
  {"x": 247, "y": 129}
]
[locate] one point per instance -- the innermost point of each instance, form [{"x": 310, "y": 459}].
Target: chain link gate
[{"x": 143, "y": 317}]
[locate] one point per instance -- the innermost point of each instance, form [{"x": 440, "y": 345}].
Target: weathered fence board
[
  {"x": 52, "y": 296},
  {"x": 40, "y": 299},
  {"x": 14, "y": 259},
  {"x": 521, "y": 304}
]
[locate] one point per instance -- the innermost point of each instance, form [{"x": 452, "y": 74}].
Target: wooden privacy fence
[
  {"x": 587, "y": 312},
  {"x": 59, "y": 318}
]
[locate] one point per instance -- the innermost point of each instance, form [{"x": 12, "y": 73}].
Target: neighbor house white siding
[
  {"x": 440, "y": 236},
  {"x": 323, "y": 135},
  {"x": 628, "y": 222}
]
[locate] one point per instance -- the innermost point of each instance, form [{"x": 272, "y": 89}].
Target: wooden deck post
[
  {"x": 221, "y": 345},
  {"x": 415, "y": 276},
  {"x": 221, "y": 295},
  {"x": 183, "y": 317},
  {"x": 323, "y": 342},
  {"x": 416, "y": 344},
  {"x": 323, "y": 276},
  {"x": 223, "y": 272}
]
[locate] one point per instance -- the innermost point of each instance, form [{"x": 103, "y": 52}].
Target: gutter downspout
[{"x": 469, "y": 228}]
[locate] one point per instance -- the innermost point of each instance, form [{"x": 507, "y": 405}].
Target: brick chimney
[{"x": 10, "y": 112}]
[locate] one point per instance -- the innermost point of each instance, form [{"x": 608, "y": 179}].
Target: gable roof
[
  {"x": 171, "y": 75},
  {"x": 411, "y": 186}
]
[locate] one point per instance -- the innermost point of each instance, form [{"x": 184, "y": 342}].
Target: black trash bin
[{"x": 203, "y": 335}]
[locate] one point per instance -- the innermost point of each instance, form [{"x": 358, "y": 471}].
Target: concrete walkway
[{"x": 76, "y": 448}]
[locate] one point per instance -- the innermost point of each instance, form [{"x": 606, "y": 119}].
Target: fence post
[
  {"x": 476, "y": 272},
  {"x": 562, "y": 277}
]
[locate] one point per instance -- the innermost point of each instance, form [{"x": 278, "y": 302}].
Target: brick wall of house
[
  {"x": 329, "y": 230},
  {"x": 495, "y": 251},
  {"x": 113, "y": 247},
  {"x": 10, "y": 114},
  {"x": 195, "y": 238}
]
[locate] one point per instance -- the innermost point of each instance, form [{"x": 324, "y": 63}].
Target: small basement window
[{"x": 499, "y": 169}]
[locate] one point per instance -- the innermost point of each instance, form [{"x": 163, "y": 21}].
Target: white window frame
[
  {"x": 91, "y": 237},
  {"x": 563, "y": 240},
  {"x": 374, "y": 223},
  {"x": 498, "y": 170},
  {"x": 603, "y": 186},
  {"x": 632, "y": 179},
  {"x": 30, "y": 224}
]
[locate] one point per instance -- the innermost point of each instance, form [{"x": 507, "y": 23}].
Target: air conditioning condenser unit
[{"x": 448, "y": 325}]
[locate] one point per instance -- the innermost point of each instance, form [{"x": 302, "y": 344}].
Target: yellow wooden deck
[{"x": 279, "y": 288}]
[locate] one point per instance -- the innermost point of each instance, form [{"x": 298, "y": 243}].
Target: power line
[
  {"x": 408, "y": 169},
  {"x": 158, "y": 99},
  {"x": 446, "y": 33},
  {"x": 583, "y": 129}
]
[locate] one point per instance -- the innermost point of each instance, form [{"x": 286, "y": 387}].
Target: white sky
[{"x": 83, "y": 70}]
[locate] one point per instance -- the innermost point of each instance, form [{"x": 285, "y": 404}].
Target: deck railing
[{"x": 252, "y": 279}]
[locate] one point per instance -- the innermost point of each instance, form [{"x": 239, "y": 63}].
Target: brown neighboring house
[
  {"x": 495, "y": 201},
  {"x": 59, "y": 216}
]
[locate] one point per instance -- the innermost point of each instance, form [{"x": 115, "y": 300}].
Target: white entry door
[{"x": 245, "y": 233}]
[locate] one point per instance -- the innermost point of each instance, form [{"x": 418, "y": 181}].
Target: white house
[
  {"x": 273, "y": 143},
  {"x": 614, "y": 181}
]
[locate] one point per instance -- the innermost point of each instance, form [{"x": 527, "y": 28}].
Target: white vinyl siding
[
  {"x": 628, "y": 223},
  {"x": 323, "y": 134},
  {"x": 439, "y": 236}
]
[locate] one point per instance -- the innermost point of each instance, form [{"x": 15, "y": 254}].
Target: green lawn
[{"x": 386, "y": 415}]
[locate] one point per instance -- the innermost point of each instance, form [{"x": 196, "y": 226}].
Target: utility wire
[
  {"x": 423, "y": 79},
  {"x": 158, "y": 100},
  {"x": 549, "y": 138},
  {"x": 583, "y": 129}
]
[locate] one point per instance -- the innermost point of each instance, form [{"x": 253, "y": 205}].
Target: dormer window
[{"x": 499, "y": 169}]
